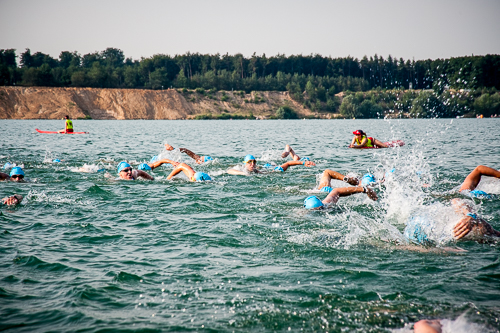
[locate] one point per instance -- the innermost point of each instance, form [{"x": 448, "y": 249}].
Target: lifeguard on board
[{"x": 68, "y": 128}]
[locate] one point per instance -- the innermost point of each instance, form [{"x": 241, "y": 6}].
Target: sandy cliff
[{"x": 54, "y": 103}]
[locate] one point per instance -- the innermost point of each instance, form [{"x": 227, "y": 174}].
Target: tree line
[
  {"x": 110, "y": 69},
  {"x": 310, "y": 79}
]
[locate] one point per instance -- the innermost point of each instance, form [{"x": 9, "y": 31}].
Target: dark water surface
[{"x": 85, "y": 252}]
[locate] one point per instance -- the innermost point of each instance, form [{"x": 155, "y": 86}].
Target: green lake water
[{"x": 85, "y": 252}]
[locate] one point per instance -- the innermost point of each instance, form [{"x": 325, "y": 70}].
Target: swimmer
[
  {"x": 68, "y": 126},
  {"x": 418, "y": 227},
  {"x": 16, "y": 175},
  {"x": 126, "y": 172},
  {"x": 360, "y": 140},
  {"x": 295, "y": 157},
  {"x": 314, "y": 203},
  {"x": 12, "y": 200},
  {"x": 470, "y": 183},
  {"x": 251, "y": 166},
  {"x": 197, "y": 158}
]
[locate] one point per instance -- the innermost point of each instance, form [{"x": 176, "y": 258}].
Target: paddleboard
[
  {"x": 395, "y": 143},
  {"x": 55, "y": 132}
]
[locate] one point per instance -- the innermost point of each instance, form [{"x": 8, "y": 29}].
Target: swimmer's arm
[
  {"x": 352, "y": 142},
  {"x": 4, "y": 176},
  {"x": 292, "y": 163},
  {"x": 190, "y": 154},
  {"x": 143, "y": 174},
  {"x": 336, "y": 193},
  {"x": 182, "y": 167},
  {"x": 237, "y": 172},
  {"x": 163, "y": 161}
]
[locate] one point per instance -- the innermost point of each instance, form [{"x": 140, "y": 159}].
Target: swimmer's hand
[
  {"x": 12, "y": 200},
  {"x": 168, "y": 147},
  {"x": 309, "y": 164},
  {"x": 286, "y": 152},
  {"x": 351, "y": 180},
  {"x": 463, "y": 227},
  {"x": 371, "y": 194}
]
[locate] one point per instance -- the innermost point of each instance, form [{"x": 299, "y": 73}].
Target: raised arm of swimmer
[{"x": 198, "y": 159}]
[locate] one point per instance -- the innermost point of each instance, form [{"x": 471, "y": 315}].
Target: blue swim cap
[
  {"x": 304, "y": 159},
  {"x": 249, "y": 158},
  {"x": 201, "y": 176},
  {"x": 312, "y": 202},
  {"x": 207, "y": 158},
  {"x": 16, "y": 171},
  {"x": 56, "y": 160},
  {"x": 326, "y": 189},
  {"x": 153, "y": 159},
  {"x": 278, "y": 168},
  {"x": 479, "y": 194},
  {"x": 122, "y": 165},
  {"x": 144, "y": 166},
  {"x": 415, "y": 230},
  {"x": 368, "y": 179}
]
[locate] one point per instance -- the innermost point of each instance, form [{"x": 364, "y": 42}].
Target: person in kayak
[
  {"x": 251, "y": 166},
  {"x": 314, "y": 203},
  {"x": 197, "y": 158},
  {"x": 16, "y": 175},
  {"x": 360, "y": 140},
  {"x": 68, "y": 126}
]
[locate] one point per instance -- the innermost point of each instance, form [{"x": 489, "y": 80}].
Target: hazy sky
[{"x": 408, "y": 29}]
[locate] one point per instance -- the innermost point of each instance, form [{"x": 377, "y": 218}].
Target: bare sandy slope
[{"x": 54, "y": 103}]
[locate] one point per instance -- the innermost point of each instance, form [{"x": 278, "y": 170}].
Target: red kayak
[
  {"x": 395, "y": 143},
  {"x": 55, "y": 132}
]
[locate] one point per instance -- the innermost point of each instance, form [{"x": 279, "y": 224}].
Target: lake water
[{"x": 85, "y": 252}]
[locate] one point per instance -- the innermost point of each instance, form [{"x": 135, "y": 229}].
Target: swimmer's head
[
  {"x": 249, "y": 159},
  {"x": 326, "y": 189},
  {"x": 201, "y": 177},
  {"x": 313, "y": 202},
  {"x": 56, "y": 160},
  {"x": 123, "y": 165},
  {"x": 144, "y": 166},
  {"x": 416, "y": 228},
  {"x": 207, "y": 158},
  {"x": 479, "y": 194},
  {"x": 368, "y": 179},
  {"x": 16, "y": 174}
]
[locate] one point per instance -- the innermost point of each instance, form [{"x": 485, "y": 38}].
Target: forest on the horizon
[{"x": 310, "y": 79}]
